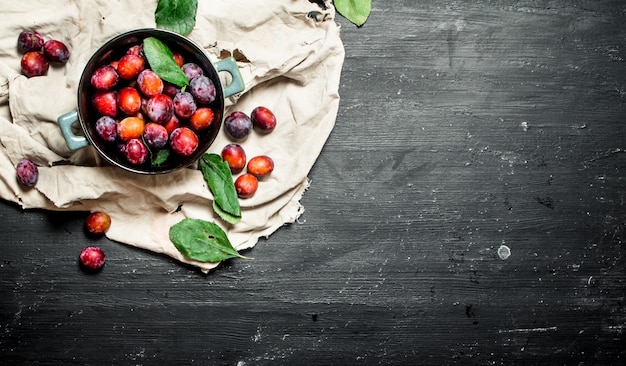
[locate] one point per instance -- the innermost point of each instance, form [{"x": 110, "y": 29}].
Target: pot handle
[
  {"x": 230, "y": 66},
  {"x": 73, "y": 141}
]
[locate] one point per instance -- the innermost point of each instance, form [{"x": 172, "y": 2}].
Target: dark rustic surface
[{"x": 464, "y": 127}]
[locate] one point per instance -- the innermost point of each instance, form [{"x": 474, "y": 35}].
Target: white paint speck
[
  {"x": 257, "y": 336},
  {"x": 504, "y": 252},
  {"x": 524, "y": 126}
]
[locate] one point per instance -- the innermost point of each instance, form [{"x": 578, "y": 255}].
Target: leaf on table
[
  {"x": 356, "y": 11},
  {"x": 162, "y": 62},
  {"x": 202, "y": 241},
  {"x": 176, "y": 15},
  {"x": 220, "y": 180}
]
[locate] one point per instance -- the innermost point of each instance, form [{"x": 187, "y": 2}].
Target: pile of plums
[
  {"x": 238, "y": 125},
  {"x": 39, "y": 53}
]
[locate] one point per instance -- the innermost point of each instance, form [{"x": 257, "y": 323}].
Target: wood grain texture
[{"x": 463, "y": 127}]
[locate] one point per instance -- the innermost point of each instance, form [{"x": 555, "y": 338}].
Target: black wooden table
[{"x": 468, "y": 208}]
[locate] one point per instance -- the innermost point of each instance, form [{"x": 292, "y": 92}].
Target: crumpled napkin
[{"x": 290, "y": 56}]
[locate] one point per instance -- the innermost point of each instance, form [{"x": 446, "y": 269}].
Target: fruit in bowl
[{"x": 144, "y": 78}]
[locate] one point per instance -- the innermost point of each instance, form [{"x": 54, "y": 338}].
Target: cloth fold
[{"x": 290, "y": 62}]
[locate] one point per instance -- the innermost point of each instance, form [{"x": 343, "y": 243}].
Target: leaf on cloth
[
  {"x": 176, "y": 15},
  {"x": 162, "y": 62},
  {"x": 229, "y": 218},
  {"x": 220, "y": 180},
  {"x": 202, "y": 241},
  {"x": 356, "y": 11}
]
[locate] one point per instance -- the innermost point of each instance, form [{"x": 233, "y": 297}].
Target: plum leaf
[
  {"x": 203, "y": 241},
  {"x": 160, "y": 157},
  {"x": 228, "y": 217},
  {"x": 162, "y": 62},
  {"x": 176, "y": 15},
  {"x": 219, "y": 178},
  {"x": 356, "y": 11}
]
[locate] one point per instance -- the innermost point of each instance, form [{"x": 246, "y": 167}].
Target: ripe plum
[
  {"x": 129, "y": 66},
  {"x": 183, "y": 141},
  {"x": 260, "y": 166},
  {"x": 160, "y": 108},
  {"x": 155, "y": 135},
  {"x": 129, "y": 100},
  {"x": 263, "y": 119},
  {"x": 106, "y": 127},
  {"x": 105, "y": 77},
  {"x": 246, "y": 185},
  {"x": 29, "y": 40},
  {"x": 92, "y": 258},
  {"x": 34, "y": 63},
  {"x": 201, "y": 119},
  {"x": 97, "y": 223},
  {"x": 136, "y": 152},
  {"x": 149, "y": 83},
  {"x": 202, "y": 89},
  {"x": 56, "y": 51},
  {"x": 172, "y": 124},
  {"x": 184, "y": 105},
  {"x": 179, "y": 59},
  {"x": 136, "y": 50},
  {"x": 130, "y": 128},
  {"x": 238, "y": 125},
  {"x": 105, "y": 102},
  {"x": 170, "y": 89},
  {"x": 192, "y": 70},
  {"x": 27, "y": 173},
  {"x": 235, "y": 156}
]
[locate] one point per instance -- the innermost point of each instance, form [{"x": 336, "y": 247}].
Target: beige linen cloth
[{"x": 290, "y": 56}]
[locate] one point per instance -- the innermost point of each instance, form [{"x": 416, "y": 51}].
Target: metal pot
[{"x": 114, "y": 49}]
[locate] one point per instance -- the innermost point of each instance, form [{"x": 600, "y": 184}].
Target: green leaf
[
  {"x": 160, "y": 157},
  {"x": 162, "y": 62},
  {"x": 231, "y": 219},
  {"x": 356, "y": 11},
  {"x": 176, "y": 15},
  {"x": 202, "y": 241},
  {"x": 220, "y": 180}
]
